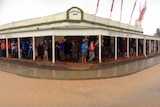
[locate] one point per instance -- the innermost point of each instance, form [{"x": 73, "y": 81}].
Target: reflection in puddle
[{"x": 116, "y": 70}]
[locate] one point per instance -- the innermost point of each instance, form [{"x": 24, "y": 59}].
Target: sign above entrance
[{"x": 74, "y": 14}]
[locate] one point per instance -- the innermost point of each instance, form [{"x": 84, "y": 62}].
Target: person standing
[
  {"x": 0, "y": 49},
  {"x": 57, "y": 56},
  {"x": 74, "y": 51},
  {"x": 3, "y": 48},
  {"x": 13, "y": 48},
  {"x": 45, "y": 57},
  {"x": 30, "y": 50},
  {"x": 67, "y": 49},
  {"x": 40, "y": 51},
  {"x": 132, "y": 49},
  {"x": 61, "y": 50},
  {"x": 84, "y": 48},
  {"x": 9, "y": 48},
  {"x": 92, "y": 50},
  {"x": 24, "y": 48}
]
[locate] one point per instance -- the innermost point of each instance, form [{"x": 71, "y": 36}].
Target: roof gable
[{"x": 73, "y": 17}]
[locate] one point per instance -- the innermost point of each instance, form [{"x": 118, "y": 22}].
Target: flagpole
[
  {"x": 96, "y": 9},
  {"x": 111, "y": 9},
  {"x": 121, "y": 10},
  {"x": 132, "y": 11}
]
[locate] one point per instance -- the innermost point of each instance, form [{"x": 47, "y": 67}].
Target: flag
[
  {"x": 111, "y": 8},
  {"x": 142, "y": 12},
  {"x": 121, "y": 10},
  {"x": 137, "y": 23},
  {"x": 97, "y": 7},
  {"x": 132, "y": 11}
]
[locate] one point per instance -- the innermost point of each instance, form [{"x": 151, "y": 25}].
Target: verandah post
[
  {"x": 33, "y": 47},
  {"x": 100, "y": 50},
  {"x": 7, "y": 47},
  {"x": 127, "y": 47},
  {"x": 115, "y": 42},
  {"x": 137, "y": 47},
  {"x": 19, "y": 51},
  {"x": 53, "y": 49}
]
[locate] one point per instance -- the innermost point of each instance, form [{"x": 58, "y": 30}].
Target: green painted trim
[
  {"x": 69, "y": 20},
  {"x": 32, "y": 25},
  {"x": 90, "y": 22}
]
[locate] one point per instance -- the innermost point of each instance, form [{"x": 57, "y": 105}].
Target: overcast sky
[{"x": 15, "y": 10}]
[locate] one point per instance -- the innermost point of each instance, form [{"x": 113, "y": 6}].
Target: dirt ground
[{"x": 141, "y": 89}]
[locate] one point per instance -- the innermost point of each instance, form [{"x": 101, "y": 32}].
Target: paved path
[{"x": 141, "y": 89}]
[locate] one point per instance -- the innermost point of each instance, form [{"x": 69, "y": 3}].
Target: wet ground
[
  {"x": 68, "y": 70},
  {"x": 140, "y": 89}
]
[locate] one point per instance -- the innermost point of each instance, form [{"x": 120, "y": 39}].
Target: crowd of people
[
  {"x": 76, "y": 51},
  {"x": 67, "y": 50},
  {"x": 26, "y": 49}
]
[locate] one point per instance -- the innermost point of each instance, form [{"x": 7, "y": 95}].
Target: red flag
[
  {"x": 97, "y": 6},
  {"x": 142, "y": 12},
  {"x": 132, "y": 11},
  {"x": 111, "y": 8}
]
